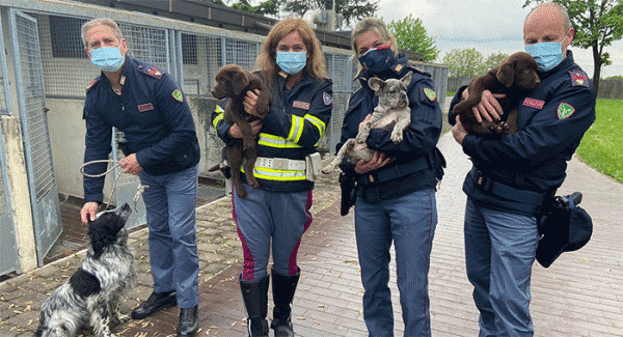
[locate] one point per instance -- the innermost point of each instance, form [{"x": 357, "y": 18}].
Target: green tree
[
  {"x": 266, "y": 7},
  {"x": 464, "y": 63},
  {"x": 411, "y": 35},
  {"x": 597, "y": 23},
  {"x": 351, "y": 10},
  {"x": 494, "y": 60}
]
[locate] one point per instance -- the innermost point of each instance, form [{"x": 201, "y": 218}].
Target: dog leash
[{"x": 139, "y": 189}]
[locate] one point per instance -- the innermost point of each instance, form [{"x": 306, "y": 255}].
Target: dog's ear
[
  {"x": 506, "y": 73},
  {"x": 375, "y": 83},
  {"x": 240, "y": 81},
  {"x": 406, "y": 79}
]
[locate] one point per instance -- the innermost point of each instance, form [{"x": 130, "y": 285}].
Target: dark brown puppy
[
  {"x": 233, "y": 82},
  {"x": 516, "y": 77}
]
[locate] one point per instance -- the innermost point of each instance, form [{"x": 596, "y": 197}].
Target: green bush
[{"x": 602, "y": 145}]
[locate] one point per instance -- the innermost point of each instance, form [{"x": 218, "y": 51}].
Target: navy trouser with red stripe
[{"x": 265, "y": 218}]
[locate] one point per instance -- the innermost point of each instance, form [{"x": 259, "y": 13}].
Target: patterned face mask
[
  {"x": 109, "y": 59},
  {"x": 291, "y": 62}
]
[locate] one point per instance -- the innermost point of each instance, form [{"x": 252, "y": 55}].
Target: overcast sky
[{"x": 489, "y": 26}]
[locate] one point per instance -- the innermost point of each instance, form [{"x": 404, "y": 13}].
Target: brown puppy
[
  {"x": 516, "y": 77},
  {"x": 233, "y": 82}
]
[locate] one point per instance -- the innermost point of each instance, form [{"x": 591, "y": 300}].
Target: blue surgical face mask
[
  {"x": 291, "y": 62},
  {"x": 378, "y": 59},
  {"x": 546, "y": 54},
  {"x": 109, "y": 59}
]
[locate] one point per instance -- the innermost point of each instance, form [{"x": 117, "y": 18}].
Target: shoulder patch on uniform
[
  {"x": 151, "y": 71},
  {"x": 177, "y": 94},
  {"x": 327, "y": 99},
  {"x": 93, "y": 83},
  {"x": 565, "y": 110},
  {"x": 578, "y": 78},
  {"x": 430, "y": 94},
  {"x": 398, "y": 68}
]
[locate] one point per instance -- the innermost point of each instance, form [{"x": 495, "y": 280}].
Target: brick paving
[{"x": 581, "y": 294}]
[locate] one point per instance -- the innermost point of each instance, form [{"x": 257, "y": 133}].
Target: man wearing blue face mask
[
  {"x": 162, "y": 149},
  {"x": 513, "y": 174}
]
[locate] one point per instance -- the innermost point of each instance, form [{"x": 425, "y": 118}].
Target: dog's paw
[
  {"x": 122, "y": 319},
  {"x": 327, "y": 169},
  {"x": 241, "y": 193},
  {"x": 501, "y": 128},
  {"x": 396, "y": 137},
  {"x": 253, "y": 183}
]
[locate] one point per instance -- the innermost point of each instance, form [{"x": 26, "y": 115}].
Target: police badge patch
[
  {"x": 430, "y": 94},
  {"x": 565, "y": 110},
  {"x": 177, "y": 94},
  {"x": 327, "y": 99}
]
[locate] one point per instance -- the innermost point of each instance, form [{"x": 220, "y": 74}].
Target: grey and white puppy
[
  {"x": 91, "y": 296},
  {"x": 392, "y": 113}
]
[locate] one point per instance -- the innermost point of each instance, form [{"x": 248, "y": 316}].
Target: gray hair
[
  {"x": 371, "y": 24},
  {"x": 561, "y": 10},
  {"x": 100, "y": 21}
]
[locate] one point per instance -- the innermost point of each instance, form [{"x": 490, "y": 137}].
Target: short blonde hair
[
  {"x": 266, "y": 62},
  {"x": 100, "y": 21},
  {"x": 372, "y": 24}
]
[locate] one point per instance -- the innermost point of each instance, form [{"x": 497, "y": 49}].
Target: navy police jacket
[
  {"x": 153, "y": 115},
  {"x": 417, "y": 163},
  {"x": 296, "y": 121},
  {"x": 514, "y": 172}
]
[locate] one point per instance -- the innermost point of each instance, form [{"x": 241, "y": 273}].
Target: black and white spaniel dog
[{"x": 90, "y": 298}]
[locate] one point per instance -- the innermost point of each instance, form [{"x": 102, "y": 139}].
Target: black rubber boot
[
  {"x": 255, "y": 295},
  {"x": 284, "y": 288}
]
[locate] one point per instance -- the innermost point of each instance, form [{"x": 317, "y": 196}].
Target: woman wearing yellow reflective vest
[{"x": 292, "y": 65}]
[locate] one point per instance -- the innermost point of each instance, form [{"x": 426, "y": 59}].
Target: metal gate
[
  {"x": 8, "y": 249},
  {"x": 145, "y": 44},
  {"x": 340, "y": 69},
  {"x": 31, "y": 102}
]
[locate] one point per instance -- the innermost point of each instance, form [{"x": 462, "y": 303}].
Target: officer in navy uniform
[
  {"x": 274, "y": 217},
  {"x": 512, "y": 174},
  {"x": 162, "y": 149},
  {"x": 396, "y": 189}
]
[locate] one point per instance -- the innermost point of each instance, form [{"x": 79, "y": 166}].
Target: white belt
[{"x": 280, "y": 164}]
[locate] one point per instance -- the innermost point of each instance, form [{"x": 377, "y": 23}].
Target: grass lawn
[{"x": 602, "y": 145}]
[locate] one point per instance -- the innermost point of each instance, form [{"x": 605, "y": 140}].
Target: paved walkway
[{"x": 581, "y": 294}]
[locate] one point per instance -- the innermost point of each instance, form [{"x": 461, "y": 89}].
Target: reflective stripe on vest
[
  {"x": 269, "y": 140},
  {"x": 277, "y": 175},
  {"x": 317, "y": 123}
]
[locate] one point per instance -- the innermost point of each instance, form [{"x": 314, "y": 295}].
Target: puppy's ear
[
  {"x": 506, "y": 73},
  {"x": 375, "y": 83},
  {"x": 240, "y": 81},
  {"x": 406, "y": 80}
]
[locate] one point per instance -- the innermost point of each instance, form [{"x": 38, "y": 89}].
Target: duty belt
[
  {"x": 493, "y": 187},
  {"x": 386, "y": 174}
]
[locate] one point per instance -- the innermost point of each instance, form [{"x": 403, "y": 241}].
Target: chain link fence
[{"x": 191, "y": 53}]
